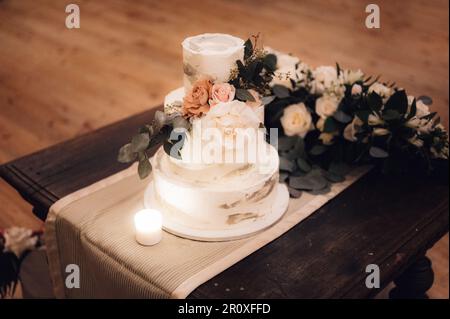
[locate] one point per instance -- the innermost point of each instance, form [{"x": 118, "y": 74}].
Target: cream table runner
[{"x": 93, "y": 228}]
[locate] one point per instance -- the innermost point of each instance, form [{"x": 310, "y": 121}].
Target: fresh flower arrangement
[
  {"x": 15, "y": 243},
  {"x": 329, "y": 118}
]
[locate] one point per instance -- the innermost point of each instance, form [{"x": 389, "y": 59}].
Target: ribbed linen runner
[{"x": 93, "y": 229}]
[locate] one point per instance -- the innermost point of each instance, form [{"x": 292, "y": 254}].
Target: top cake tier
[{"x": 210, "y": 54}]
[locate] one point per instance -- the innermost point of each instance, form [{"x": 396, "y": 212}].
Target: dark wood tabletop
[{"x": 385, "y": 220}]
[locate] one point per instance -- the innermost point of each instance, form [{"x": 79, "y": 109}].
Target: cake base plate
[{"x": 187, "y": 227}]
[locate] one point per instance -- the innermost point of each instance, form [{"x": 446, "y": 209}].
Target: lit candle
[{"x": 148, "y": 227}]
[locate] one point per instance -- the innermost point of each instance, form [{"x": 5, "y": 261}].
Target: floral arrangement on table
[
  {"x": 329, "y": 118},
  {"x": 15, "y": 243}
]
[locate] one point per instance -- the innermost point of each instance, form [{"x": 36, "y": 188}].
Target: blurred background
[{"x": 57, "y": 83}]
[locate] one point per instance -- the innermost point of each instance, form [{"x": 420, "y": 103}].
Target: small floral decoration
[
  {"x": 15, "y": 243},
  {"x": 249, "y": 85},
  {"x": 354, "y": 120},
  {"x": 329, "y": 118}
]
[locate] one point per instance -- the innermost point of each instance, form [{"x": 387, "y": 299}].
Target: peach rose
[
  {"x": 221, "y": 92},
  {"x": 195, "y": 103},
  {"x": 257, "y": 102}
]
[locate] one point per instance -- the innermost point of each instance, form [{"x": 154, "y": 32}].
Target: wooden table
[{"x": 382, "y": 220}]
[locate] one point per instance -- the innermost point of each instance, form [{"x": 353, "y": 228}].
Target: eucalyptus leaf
[
  {"x": 391, "y": 115},
  {"x": 140, "y": 142},
  {"x": 286, "y": 143},
  {"x": 248, "y": 49},
  {"x": 270, "y": 62},
  {"x": 375, "y": 101},
  {"x": 378, "y": 152},
  {"x": 267, "y": 99},
  {"x": 283, "y": 176},
  {"x": 160, "y": 118},
  {"x": 244, "y": 95},
  {"x": 144, "y": 168},
  {"x": 294, "y": 193},
  {"x": 304, "y": 165},
  {"x": 342, "y": 117},
  {"x": 310, "y": 182},
  {"x": 126, "y": 155},
  {"x": 321, "y": 191},
  {"x": 330, "y": 125},
  {"x": 287, "y": 165},
  {"x": 298, "y": 151},
  {"x": 425, "y": 99},
  {"x": 363, "y": 115},
  {"x": 318, "y": 150},
  {"x": 281, "y": 91},
  {"x": 339, "y": 168},
  {"x": 333, "y": 177},
  {"x": 398, "y": 102},
  {"x": 181, "y": 122}
]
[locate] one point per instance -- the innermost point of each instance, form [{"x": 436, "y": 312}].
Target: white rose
[
  {"x": 326, "y": 80},
  {"x": 352, "y": 76},
  {"x": 327, "y": 105},
  {"x": 352, "y": 128},
  {"x": 18, "y": 240},
  {"x": 356, "y": 89},
  {"x": 231, "y": 118},
  {"x": 296, "y": 120},
  {"x": 381, "y": 89}
]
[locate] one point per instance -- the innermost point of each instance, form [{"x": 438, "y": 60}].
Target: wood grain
[{"x": 57, "y": 83}]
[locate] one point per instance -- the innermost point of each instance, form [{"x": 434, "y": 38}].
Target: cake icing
[{"x": 236, "y": 185}]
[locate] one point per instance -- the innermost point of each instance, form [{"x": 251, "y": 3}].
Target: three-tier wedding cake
[{"x": 223, "y": 182}]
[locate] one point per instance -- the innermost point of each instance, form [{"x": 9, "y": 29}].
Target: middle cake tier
[{"x": 218, "y": 194}]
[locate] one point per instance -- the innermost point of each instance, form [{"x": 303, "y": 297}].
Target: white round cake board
[{"x": 184, "y": 226}]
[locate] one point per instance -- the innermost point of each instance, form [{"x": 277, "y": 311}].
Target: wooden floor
[{"x": 57, "y": 83}]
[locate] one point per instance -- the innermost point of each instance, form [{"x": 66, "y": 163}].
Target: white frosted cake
[{"x": 216, "y": 197}]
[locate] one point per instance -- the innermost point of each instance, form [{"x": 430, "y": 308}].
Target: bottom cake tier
[{"x": 216, "y": 202}]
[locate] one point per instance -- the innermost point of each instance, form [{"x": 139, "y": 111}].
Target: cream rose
[
  {"x": 352, "y": 76},
  {"x": 221, "y": 92},
  {"x": 195, "y": 103},
  {"x": 326, "y": 80},
  {"x": 18, "y": 240},
  {"x": 231, "y": 118},
  {"x": 296, "y": 120},
  {"x": 327, "y": 105}
]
